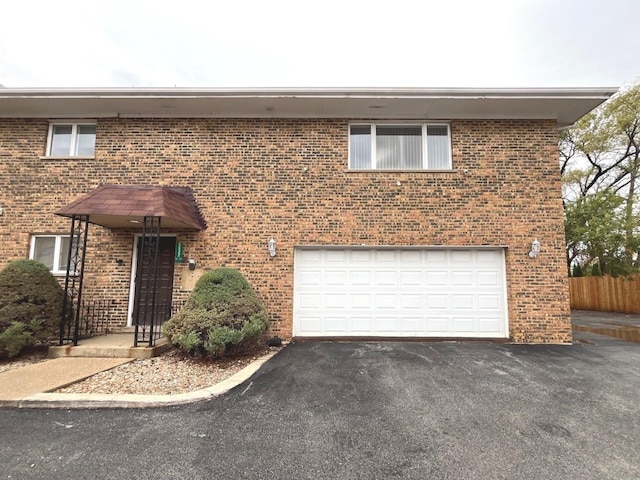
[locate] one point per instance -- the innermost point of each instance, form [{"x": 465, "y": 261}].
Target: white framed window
[
  {"x": 425, "y": 146},
  {"x": 71, "y": 139},
  {"x": 52, "y": 251}
]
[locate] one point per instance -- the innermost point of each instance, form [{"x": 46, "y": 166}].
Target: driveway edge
[{"x": 94, "y": 400}]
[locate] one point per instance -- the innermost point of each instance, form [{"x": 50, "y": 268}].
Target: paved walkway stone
[{"x": 50, "y": 375}]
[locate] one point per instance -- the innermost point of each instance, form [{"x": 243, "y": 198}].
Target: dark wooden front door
[{"x": 163, "y": 281}]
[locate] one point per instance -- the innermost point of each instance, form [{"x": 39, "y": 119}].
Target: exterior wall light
[
  {"x": 271, "y": 246},
  {"x": 535, "y": 248}
]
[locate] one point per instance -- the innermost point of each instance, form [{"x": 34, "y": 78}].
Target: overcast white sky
[{"x": 319, "y": 43}]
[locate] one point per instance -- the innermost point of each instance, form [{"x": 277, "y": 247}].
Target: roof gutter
[{"x": 334, "y": 93}]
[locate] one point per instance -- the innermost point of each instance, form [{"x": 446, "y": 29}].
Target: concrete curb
[{"x": 93, "y": 400}]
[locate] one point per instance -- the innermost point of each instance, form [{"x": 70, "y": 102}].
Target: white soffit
[{"x": 565, "y": 105}]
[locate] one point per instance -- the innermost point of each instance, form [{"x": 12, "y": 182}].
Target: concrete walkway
[
  {"x": 50, "y": 375},
  {"x": 29, "y": 387}
]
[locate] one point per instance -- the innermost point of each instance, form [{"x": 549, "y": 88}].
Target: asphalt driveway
[{"x": 365, "y": 411}]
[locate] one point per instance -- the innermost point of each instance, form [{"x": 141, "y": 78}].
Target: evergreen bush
[
  {"x": 577, "y": 271},
  {"x": 30, "y": 306},
  {"x": 223, "y": 316}
]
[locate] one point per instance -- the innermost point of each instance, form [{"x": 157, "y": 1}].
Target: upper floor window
[
  {"x": 71, "y": 139},
  {"x": 51, "y": 250},
  {"x": 399, "y": 147}
]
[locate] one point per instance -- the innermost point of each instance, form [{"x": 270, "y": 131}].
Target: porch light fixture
[
  {"x": 535, "y": 248},
  {"x": 271, "y": 246}
]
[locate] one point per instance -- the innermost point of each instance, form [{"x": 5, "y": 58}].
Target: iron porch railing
[
  {"x": 150, "y": 331},
  {"x": 92, "y": 317}
]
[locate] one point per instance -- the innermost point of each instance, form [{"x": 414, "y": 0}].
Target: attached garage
[{"x": 400, "y": 292}]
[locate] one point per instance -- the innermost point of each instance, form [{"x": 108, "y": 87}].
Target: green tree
[
  {"x": 595, "y": 229},
  {"x": 600, "y": 166}
]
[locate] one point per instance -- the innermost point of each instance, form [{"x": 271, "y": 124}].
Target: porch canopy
[{"x": 126, "y": 206}]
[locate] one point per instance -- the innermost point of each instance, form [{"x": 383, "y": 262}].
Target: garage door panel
[
  {"x": 312, "y": 278},
  {"x": 362, "y": 325},
  {"x": 386, "y": 278},
  {"x": 463, "y": 324},
  {"x": 488, "y": 279},
  {"x": 311, "y": 325},
  {"x": 385, "y": 256},
  {"x": 361, "y": 301},
  {"x": 437, "y": 278},
  {"x": 385, "y": 301},
  {"x": 412, "y": 325},
  {"x": 463, "y": 302},
  {"x": 361, "y": 278},
  {"x": 462, "y": 279},
  {"x": 489, "y": 324},
  {"x": 489, "y": 303},
  {"x": 411, "y": 278},
  {"x": 310, "y": 301},
  {"x": 410, "y": 258},
  {"x": 490, "y": 257},
  {"x": 412, "y": 302},
  {"x": 436, "y": 257},
  {"x": 335, "y": 277},
  {"x": 399, "y": 292},
  {"x": 438, "y": 302},
  {"x": 387, "y": 325},
  {"x": 461, "y": 256},
  {"x": 438, "y": 325},
  {"x": 309, "y": 257},
  {"x": 335, "y": 257},
  {"x": 335, "y": 300},
  {"x": 361, "y": 256},
  {"x": 336, "y": 324}
]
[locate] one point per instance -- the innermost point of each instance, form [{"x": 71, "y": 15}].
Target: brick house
[{"x": 393, "y": 213}]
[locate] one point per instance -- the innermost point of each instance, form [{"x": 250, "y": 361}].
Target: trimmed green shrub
[
  {"x": 30, "y": 306},
  {"x": 223, "y": 316}
]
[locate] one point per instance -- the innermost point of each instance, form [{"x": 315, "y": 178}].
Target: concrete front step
[{"x": 118, "y": 345}]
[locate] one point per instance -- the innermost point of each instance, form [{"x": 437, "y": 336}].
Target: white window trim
[
  {"x": 425, "y": 159},
  {"x": 57, "y": 269},
  {"x": 74, "y": 132}
]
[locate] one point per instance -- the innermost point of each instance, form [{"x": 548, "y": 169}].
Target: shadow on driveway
[{"x": 366, "y": 411}]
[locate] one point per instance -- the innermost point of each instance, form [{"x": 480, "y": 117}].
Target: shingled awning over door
[{"x": 125, "y": 206}]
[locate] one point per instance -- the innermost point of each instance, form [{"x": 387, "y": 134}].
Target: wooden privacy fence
[{"x": 606, "y": 294}]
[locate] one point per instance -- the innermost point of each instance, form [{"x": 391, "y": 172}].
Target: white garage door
[{"x": 399, "y": 293}]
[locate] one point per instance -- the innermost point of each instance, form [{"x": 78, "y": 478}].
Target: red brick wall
[{"x": 257, "y": 178}]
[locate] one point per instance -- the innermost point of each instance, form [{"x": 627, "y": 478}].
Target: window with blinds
[{"x": 399, "y": 147}]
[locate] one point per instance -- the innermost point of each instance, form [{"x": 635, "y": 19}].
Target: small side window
[
  {"x": 71, "y": 140},
  {"x": 52, "y": 251}
]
